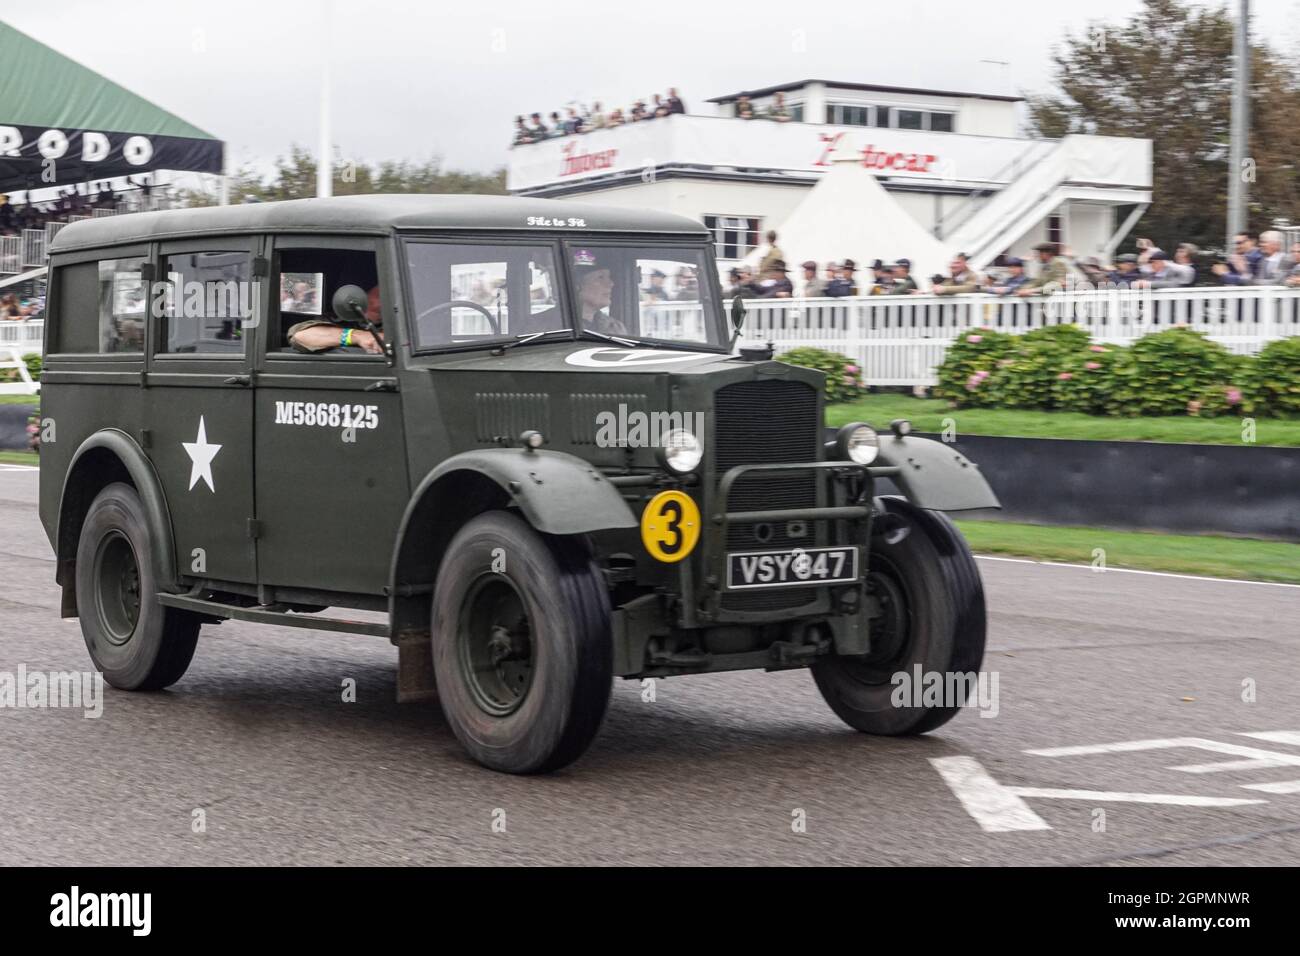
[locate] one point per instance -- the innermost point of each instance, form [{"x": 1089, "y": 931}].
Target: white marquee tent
[{"x": 849, "y": 215}]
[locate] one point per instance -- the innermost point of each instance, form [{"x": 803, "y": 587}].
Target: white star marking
[{"x": 201, "y": 455}]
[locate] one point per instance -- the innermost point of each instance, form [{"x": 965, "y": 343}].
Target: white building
[{"x": 952, "y": 160}]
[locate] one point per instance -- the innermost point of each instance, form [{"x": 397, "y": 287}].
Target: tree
[
  {"x": 1166, "y": 75},
  {"x": 294, "y": 177}
]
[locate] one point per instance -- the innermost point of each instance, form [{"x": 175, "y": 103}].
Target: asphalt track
[{"x": 718, "y": 769}]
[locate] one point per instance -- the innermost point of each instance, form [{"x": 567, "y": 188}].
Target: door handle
[
  {"x": 383, "y": 385},
  {"x": 239, "y": 380}
]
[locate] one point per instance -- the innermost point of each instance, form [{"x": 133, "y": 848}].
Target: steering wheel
[{"x": 466, "y": 304}]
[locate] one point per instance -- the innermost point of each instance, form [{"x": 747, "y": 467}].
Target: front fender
[
  {"x": 557, "y": 493},
  {"x": 935, "y": 475},
  {"x": 122, "y": 446}
]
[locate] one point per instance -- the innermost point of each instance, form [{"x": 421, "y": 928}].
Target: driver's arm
[{"x": 320, "y": 337}]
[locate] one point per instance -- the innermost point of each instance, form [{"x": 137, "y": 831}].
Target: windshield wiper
[
  {"x": 630, "y": 343},
  {"x": 526, "y": 337}
]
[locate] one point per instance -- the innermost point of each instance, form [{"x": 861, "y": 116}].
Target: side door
[
  {"x": 199, "y": 404},
  {"x": 332, "y": 479}
]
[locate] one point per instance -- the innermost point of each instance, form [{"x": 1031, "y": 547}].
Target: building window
[
  {"x": 883, "y": 116},
  {"x": 734, "y": 236},
  {"x": 842, "y": 115},
  {"x": 796, "y": 112},
  {"x": 910, "y": 119},
  {"x": 941, "y": 122},
  {"x": 1054, "y": 232}
]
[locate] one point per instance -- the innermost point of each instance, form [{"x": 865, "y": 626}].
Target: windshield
[
  {"x": 644, "y": 292},
  {"x": 472, "y": 292}
]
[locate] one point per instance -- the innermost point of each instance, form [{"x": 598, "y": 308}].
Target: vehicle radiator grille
[{"x": 767, "y": 422}]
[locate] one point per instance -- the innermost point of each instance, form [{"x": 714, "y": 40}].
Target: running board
[{"x": 263, "y": 616}]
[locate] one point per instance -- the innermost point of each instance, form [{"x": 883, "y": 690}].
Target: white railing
[
  {"x": 23, "y": 335},
  {"x": 12, "y": 359},
  {"x": 11, "y": 255},
  {"x": 900, "y": 340}
]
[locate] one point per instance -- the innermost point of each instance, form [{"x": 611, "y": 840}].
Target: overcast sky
[{"x": 414, "y": 80}]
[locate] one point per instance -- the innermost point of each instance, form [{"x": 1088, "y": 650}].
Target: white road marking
[
  {"x": 1284, "y": 786},
  {"x": 7, "y": 467},
  {"x": 998, "y": 808},
  {"x": 995, "y": 807},
  {"x": 1113, "y": 796},
  {"x": 1255, "y": 756},
  {"x": 1158, "y": 574},
  {"x": 1228, "y": 766},
  {"x": 1275, "y": 736}
]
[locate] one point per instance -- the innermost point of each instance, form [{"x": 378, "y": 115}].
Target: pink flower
[
  {"x": 1091, "y": 365},
  {"x": 1065, "y": 376},
  {"x": 982, "y": 374},
  {"x": 974, "y": 338},
  {"x": 851, "y": 369},
  {"x": 973, "y": 383},
  {"x": 1234, "y": 396},
  {"x": 1098, "y": 348}
]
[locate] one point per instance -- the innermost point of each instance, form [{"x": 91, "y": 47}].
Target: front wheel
[
  {"x": 522, "y": 652},
  {"x": 136, "y": 642},
  {"x": 932, "y": 622}
]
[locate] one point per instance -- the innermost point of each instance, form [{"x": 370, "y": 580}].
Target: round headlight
[
  {"x": 858, "y": 442},
  {"x": 681, "y": 451}
]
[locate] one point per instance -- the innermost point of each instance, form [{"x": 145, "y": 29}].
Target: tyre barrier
[
  {"x": 13, "y": 426},
  {"x": 1253, "y": 491}
]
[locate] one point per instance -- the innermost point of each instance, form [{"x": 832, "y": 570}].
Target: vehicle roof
[{"x": 375, "y": 214}]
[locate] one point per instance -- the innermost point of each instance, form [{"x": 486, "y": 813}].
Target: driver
[
  {"x": 595, "y": 292},
  {"x": 322, "y": 334}
]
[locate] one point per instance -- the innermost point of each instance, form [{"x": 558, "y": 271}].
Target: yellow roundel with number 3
[{"x": 670, "y": 526}]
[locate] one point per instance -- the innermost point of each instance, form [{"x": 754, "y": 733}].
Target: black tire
[
  {"x": 136, "y": 642},
  {"x": 930, "y": 588},
  {"x": 523, "y": 658}
]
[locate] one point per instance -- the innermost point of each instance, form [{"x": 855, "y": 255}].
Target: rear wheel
[
  {"x": 522, "y": 653},
  {"x": 134, "y": 640},
  {"x": 932, "y": 615}
]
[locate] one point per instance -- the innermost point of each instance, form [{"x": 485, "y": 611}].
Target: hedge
[{"x": 1177, "y": 371}]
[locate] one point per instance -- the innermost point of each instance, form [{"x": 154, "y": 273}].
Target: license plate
[{"x": 798, "y": 566}]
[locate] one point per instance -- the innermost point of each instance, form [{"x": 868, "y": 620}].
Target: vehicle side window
[
  {"x": 208, "y": 297},
  {"x": 466, "y": 293},
  {"x": 77, "y": 305},
  {"x": 307, "y": 280},
  {"x": 117, "y": 286}
]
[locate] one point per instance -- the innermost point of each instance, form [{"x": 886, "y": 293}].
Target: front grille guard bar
[
  {"x": 826, "y": 513},
  {"x": 858, "y": 512}
]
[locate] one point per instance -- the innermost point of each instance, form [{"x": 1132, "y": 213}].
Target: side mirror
[
  {"x": 737, "y": 314},
  {"x": 350, "y": 303}
]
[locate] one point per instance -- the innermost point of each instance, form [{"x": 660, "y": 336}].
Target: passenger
[
  {"x": 322, "y": 334},
  {"x": 595, "y": 285}
]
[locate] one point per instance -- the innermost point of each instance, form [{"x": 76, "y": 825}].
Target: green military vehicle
[{"x": 512, "y": 429}]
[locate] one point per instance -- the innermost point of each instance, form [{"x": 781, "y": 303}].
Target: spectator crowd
[
  {"x": 1265, "y": 262},
  {"x": 70, "y": 202},
  {"x": 580, "y": 119}
]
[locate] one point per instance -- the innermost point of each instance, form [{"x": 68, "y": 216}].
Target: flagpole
[
  {"x": 1237, "y": 192},
  {"x": 324, "y": 151}
]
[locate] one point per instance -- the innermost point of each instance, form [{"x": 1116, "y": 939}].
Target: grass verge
[
  {"x": 928, "y": 414},
  {"x": 1212, "y": 556},
  {"x": 19, "y": 458}
]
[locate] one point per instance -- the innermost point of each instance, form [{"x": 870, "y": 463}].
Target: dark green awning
[{"x": 52, "y": 107}]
